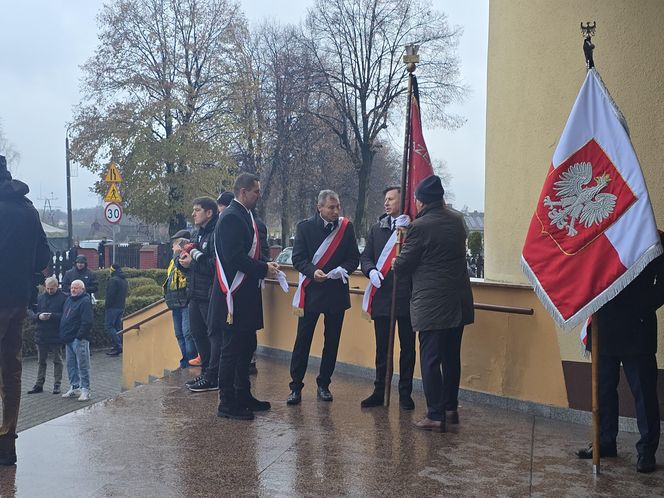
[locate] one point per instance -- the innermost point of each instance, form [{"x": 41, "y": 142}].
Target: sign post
[{"x": 113, "y": 208}]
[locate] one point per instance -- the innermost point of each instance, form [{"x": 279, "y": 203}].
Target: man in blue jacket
[
  {"x": 24, "y": 251},
  {"x": 47, "y": 335},
  {"x": 75, "y": 328}
]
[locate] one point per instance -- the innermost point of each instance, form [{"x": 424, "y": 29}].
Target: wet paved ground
[
  {"x": 159, "y": 440},
  {"x": 105, "y": 382}
]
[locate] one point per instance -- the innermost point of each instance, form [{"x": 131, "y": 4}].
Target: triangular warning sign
[
  {"x": 113, "y": 174},
  {"x": 113, "y": 194}
]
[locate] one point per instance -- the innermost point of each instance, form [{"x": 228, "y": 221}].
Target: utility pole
[{"x": 70, "y": 228}]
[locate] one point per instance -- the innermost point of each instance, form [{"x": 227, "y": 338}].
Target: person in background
[
  {"x": 175, "y": 295},
  {"x": 73, "y": 253},
  {"x": 75, "y": 330},
  {"x": 81, "y": 272},
  {"x": 101, "y": 251},
  {"x": 47, "y": 334},
  {"x": 24, "y": 251},
  {"x": 116, "y": 296}
]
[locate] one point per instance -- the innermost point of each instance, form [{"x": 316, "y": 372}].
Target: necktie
[{"x": 394, "y": 224}]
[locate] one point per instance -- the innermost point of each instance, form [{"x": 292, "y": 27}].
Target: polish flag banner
[
  {"x": 593, "y": 230},
  {"x": 419, "y": 162}
]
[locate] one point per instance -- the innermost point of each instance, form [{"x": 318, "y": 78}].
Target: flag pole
[
  {"x": 588, "y": 31},
  {"x": 410, "y": 59}
]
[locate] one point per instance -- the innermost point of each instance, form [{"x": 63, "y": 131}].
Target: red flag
[
  {"x": 419, "y": 162},
  {"x": 593, "y": 230}
]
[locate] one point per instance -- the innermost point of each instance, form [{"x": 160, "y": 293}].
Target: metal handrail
[
  {"x": 137, "y": 325},
  {"x": 478, "y": 306}
]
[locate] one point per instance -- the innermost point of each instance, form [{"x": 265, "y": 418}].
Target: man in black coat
[
  {"x": 236, "y": 310},
  {"x": 116, "y": 296},
  {"x": 24, "y": 251},
  {"x": 196, "y": 261},
  {"x": 209, "y": 379},
  {"x": 628, "y": 335},
  {"x": 441, "y": 304},
  {"x": 81, "y": 272},
  {"x": 47, "y": 334},
  {"x": 380, "y": 305},
  {"x": 323, "y": 289}
]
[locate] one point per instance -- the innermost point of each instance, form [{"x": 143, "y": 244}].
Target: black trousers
[
  {"x": 406, "y": 357},
  {"x": 198, "y": 312},
  {"x": 212, "y": 370},
  {"x": 305, "y": 334},
  {"x": 237, "y": 347},
  {"x": 441, "y": 349},
  {"x": 641, "y": 373}
]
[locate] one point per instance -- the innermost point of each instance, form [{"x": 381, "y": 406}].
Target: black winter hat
[
  {"x": 81, "y": 259},
  {"x": 4, "y": 172},
  {"x": 115, "y": 267},
  {"x": 225, "y": 198},
  {"x": 430, "y": 190}
]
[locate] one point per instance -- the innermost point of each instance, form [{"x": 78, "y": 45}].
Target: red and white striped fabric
[
  {"x": 320, "y": 259},
  {"x": 383, "y": 265},
  {"x": 593, "y": 230},
  {"x": 254, "y": 253}
]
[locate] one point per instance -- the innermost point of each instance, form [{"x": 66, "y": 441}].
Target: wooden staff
[
  {"x": 594, "y": 338},
  {"x": 393, "y": 305}
]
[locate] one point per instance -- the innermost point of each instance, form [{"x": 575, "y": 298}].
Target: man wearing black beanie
[{"x": 434, "y": 255}]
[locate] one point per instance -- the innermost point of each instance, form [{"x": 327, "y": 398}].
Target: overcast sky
[{"x": 43, "y": 43}]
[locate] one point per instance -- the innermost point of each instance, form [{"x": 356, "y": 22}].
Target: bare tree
[
  {"x": 153, "y": 102},
  {"x": 357, "y": 45},
  {"x": 7, "y": 149}
]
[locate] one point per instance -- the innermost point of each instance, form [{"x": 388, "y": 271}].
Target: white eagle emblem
[{"x": 585, "y": 205}]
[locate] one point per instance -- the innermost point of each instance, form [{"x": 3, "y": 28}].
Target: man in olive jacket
[{"x": 434, "y": 254}]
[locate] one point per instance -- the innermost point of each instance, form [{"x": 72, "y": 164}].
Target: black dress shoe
[
  {"x": 452, "y": 417},
  {"x": 646, "y": 464},
  {"x": 294, "y": 398},
  {"x": 252, "y": 369},
  {"x": 324, "y": 394},
  {"x": 235, "y": 412},
  {"x": 406, "y": 402},
  {"x": 376, "y": 399},
  {"x": 604, "y": 452},
  {"x": 36, "y": 389},
  {"x": 114, "y": 352},
  {"x": 253, "y": 404}
]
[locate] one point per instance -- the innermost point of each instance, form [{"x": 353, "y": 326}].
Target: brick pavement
[{"x": 105, "y": 381}]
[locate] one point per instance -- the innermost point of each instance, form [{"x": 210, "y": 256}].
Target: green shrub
[
  {"x": 150, "y": 289},
  {"x": 156, "y": 275},
  {"x": 135, "y": 282},
  {"x": 135, "y": 303}
]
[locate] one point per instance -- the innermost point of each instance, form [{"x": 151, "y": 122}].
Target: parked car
[{"x": 285, "y": 257}]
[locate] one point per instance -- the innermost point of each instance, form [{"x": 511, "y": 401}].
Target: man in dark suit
[
  {"x": 379, "y": 302},
  {"x": 628, "y": 336},
  {"x": 236, "y": 310},
  {"x": 325, "y": 252}
]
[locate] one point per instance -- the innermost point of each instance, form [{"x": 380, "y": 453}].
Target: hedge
[{"x": 147, "y": 290}]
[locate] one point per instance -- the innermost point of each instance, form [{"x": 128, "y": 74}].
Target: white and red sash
[
  {"x": 240, "y": 277},
  {"x": 320, "y": 259},
  {"x": 383, "y": 265}
]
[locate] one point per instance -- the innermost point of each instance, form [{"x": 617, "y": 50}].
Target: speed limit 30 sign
[{"x": 113, "y": 212}]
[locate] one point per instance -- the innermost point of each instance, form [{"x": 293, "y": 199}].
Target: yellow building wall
[{"x": 535, "y": 70}]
